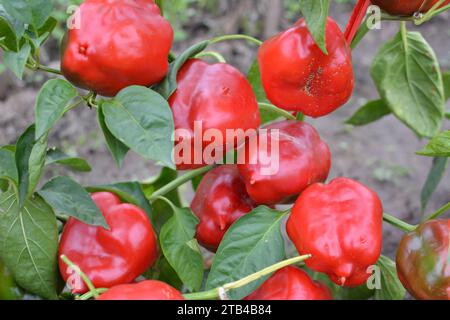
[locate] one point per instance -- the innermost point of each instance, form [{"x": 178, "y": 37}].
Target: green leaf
[
  {"x": 164, "y": 272},
  {"x": 439, "y": 146},
  {"x": 55, "y": 156},
  {"x": 181, "y": 249},
  {"x": 67, "y": 197},
  {"x": 370, "y": 112},
  {"x": 391, "y": 287},
  {"x": 435, "y": 176},
  {"x": 160, "y": 4},
  {"x": 118, "y": 149},
  {"x": 8, "y": 287},
  {"x": 30, "y": 160},
  {"x": 316, "y": 14},
  {"x": 29, "y": 244},
  {"x": 142, "y": 120},
  {"x": 254, "y": 77},
  {"x": 252, "y": 243},
  {"x": 168, "y": 86},
  {"x": 406, "y": 72},
  {"x": 446, "y": 80},
  {"x": 16, "y": 61},
  {"x": 8, "y": 168},
  {"x": 129, "y": 192},
  {"x": 51, "y": 104},
  {"x": 32, "y": 12},
  {"x": 7, "y": 34},
  {"x": 161, "y": 210},
  {"x": 43, "y": 33}
]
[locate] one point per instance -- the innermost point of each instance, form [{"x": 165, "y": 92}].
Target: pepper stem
[
  {"x": 179, "y": 181},
  {"x": 274, "y": 109},
  {"x": 217, "y": 292},
  {"x": 439, "y": 212},
  {"x": 396, "y": 222},
  {"x": 83, "y": 276},
  {"x": 213, "y": 54},
  {"x": 236, "y": 37}
]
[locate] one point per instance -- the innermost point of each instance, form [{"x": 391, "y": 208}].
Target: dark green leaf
[
  {"x": 163, "y": 271},
  {"x": 43, "y": 33},
  {"x": 168, "y": 86},
  {"x": 57, "y": 156},
  {"x": 29, "y": 244},
  {"x": 196, "y": 181},
  {"x": 446, "y": 79},
  {"x": 16, "y": 61},
  {"x": 52, "y": 103},
  {"x": 129, "y": 192},
  {"x": 316, "y": 14},
  {"x": 391, "y": 287},
  {"x": 32, "y": 12},
  {"x": 30, "y": 160},
  {"x": 161, "y": 210},
  {"x": 406, "y": 72},
  {"x": 117, "y": 148},
  {"x": 370, "y": 112},
  {"x": 8, "y": 168},
  {"x": 181, "y": 249},
  {"x": 142, "y": 120},
  {"x": 435, "y": 176},
  {"x": 254, "y": 77},
  {"x": 253, "y": 243},
  {"x": 7, "y": 35},
  {"x": 67, "y": 197},
  {"x": 439, "y": 146}
]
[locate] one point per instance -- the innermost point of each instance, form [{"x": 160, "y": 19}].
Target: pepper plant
[{"x": 116, "y": 60}]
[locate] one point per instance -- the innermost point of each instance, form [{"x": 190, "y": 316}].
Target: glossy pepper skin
[
  {"x": 145, "y": 290},
  {"x": 119, "y": 43},
  {"x": 303, "y": 160},
  {"x": 109, "y": 257},
  {"x": 220, "y": 200},
  {"x": 423, "y": 261},
  {"x": 217, "y": 96},
  {"x": 340, "y": 224},
  {"x": 298, "y": 76},
  {"x": 406, "y": 7},
  {"x": 290, "y": 283}
]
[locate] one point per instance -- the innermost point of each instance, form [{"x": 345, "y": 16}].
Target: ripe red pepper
[
  {"x": 290, "y": 283},
  {"x": 220, "y": 200},
  {"x": 118, "y": 44},
  {"x": 145, "y": 290},
  {"x": 298, "y": 76},
  {"x": 303, "y": 160},
  {"x": 217, "y": 97},
  {"x": 109, "y": 257},
  {"x": 340, "y": 224},
  {"x": 423, "y": 261},
  {"x": 406, "y": 7}
]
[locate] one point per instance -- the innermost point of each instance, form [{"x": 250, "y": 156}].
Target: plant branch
[
  {"x": 213, "y": 54},
  {"x": 179, "y": 181},
  {"x": 275, "y": 109},
  {"x": 236, "y": 37},
  {"x": 439, "y": 212},
  {"x": 83, "y": 276},
  {"x": 396, "y": 222},
  {"x": 215, "y": 293}
]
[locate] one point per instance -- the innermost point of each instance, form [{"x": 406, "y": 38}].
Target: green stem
[
  {"x": 236, "y": 37},
  {"x": 275, "y": 109},
  {"x": 439, "y": 212},
  {"x": 432, "y": 12},
  {"x": 213, "y": 54},
  {"x": 49, "y": 70},
  {"x": 179, "y": 181},
  {"x": 215, "y": 293},
  {"x": 360, "y": 34},
  {"x": 396, "y": 222},
  {"x": 83, "y": 276},
  {"x": 90, "y": 294}
]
